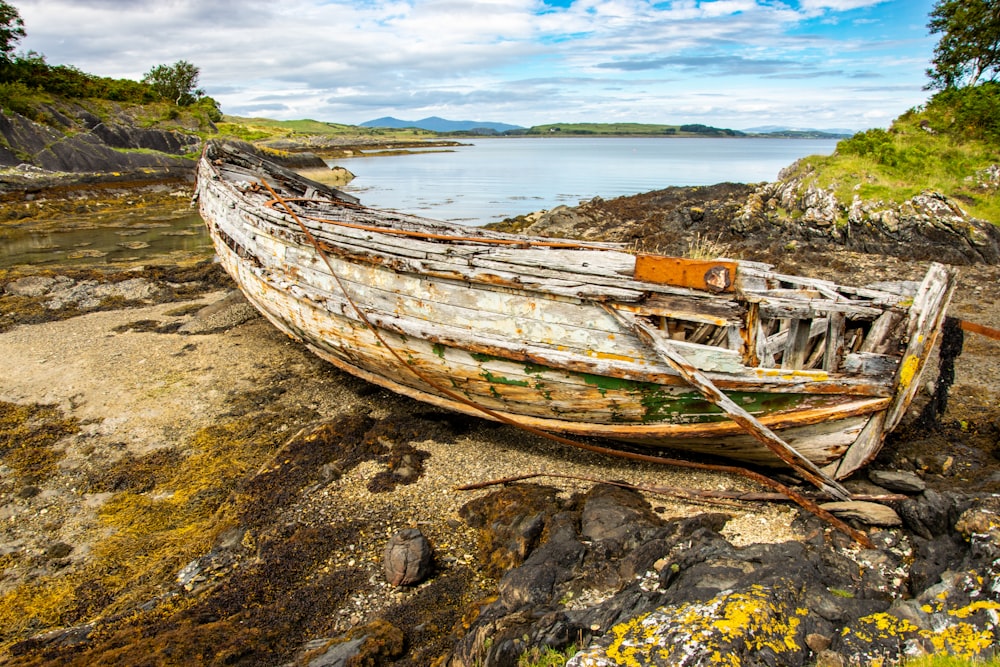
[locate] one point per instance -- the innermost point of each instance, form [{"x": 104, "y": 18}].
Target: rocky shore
[{"x": 183, "y": 485}]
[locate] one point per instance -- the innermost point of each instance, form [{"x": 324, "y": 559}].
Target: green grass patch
[
  {"x": 949, "y": 661},
  {"x": 945, "y": 147}
]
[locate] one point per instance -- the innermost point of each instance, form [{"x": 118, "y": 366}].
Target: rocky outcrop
[
  {"x": 772, "y": 219},
  {"x": 603, "y": 574},
  {"x": 77, "y": 145},
  {"x": 929, "y": 225}
]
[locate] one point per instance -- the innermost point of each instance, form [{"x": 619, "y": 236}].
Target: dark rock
[
  {"x": 894, "y": 480},
  {"x": 93, "y": 150},
  {"x": 758, "y": 626},
  {"x": 932, "y": 558},
  {"x": 668, "y": 593},
  {"x": 62, "y": 638},
  {"x": 928, "y": 514},
  {"x": 613, "y": 513},
  {"x": 59, "y": 550},
  {"x": 226, "y": 313},
  {"x": 534, "y": 581},
  {"x": 513, "y": 520},
  {"x": 408, "y": 558}
]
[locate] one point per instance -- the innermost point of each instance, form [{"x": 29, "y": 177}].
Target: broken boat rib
[{"x": 548, "y": 333}]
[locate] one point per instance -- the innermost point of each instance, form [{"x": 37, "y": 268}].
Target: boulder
[{"x": 408, "y": 557}]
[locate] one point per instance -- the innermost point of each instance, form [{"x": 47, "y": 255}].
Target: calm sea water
[
  {"x": 493, "y": 179},
  {"x": 485, "y": 181}
]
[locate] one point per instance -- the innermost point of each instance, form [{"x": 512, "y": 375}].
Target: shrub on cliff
[{"x": 950, "y": 145}]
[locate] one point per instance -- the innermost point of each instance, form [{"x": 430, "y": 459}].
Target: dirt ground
[{"x": 191, "y": 425}]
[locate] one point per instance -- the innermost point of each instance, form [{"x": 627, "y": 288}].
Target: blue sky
[{"x": 849, "y": 64}]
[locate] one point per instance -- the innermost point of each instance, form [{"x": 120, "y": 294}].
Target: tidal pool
[{"x": 108, "y": 241}]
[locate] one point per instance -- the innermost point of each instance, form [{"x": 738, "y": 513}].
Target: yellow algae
[
  {"x": 40, "y": 604},
  {"x": 908, "y": 370},
  {"x": 148, "y": 534}
]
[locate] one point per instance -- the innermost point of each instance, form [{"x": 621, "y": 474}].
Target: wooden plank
[
  {"x": 869, "y": 363},
  {"x": 926, "y": 316},
  {"x": 878, "y": 340},
  {"x": 833, "y": 352},
  {"x": 808, "y": 310},
  {"x": 712, "y": 310},
  {"x": 796, "y": 344},
  {"x": 864, "y": 448}
]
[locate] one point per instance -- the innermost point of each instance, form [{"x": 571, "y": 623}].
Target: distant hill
[
  {"x": 436, "y": 124},
  {"x": 804, "y": 132},
  {"x": 632, "y": 130}
]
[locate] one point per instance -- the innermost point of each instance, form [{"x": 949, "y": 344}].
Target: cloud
[{"x": 520, "y": 61}]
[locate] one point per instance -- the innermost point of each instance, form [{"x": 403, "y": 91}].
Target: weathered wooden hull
[{"x": 541, "y": 333}]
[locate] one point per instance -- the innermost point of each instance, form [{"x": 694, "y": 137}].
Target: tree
[
  {"x": 969, "y": 49},
  {"x": 175, "y": 82},
  {"x": 11, "y": 30}
]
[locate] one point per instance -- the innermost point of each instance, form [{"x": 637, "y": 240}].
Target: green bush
[
  {"x": 33, "y": 72},
  {"x": 967, "y": 113},
  {"x": 876, "y": 144}
]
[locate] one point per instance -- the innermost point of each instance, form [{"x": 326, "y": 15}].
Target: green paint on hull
[
  {"x": 499, "y": 379},
  {"x": 660, "y": 403}
]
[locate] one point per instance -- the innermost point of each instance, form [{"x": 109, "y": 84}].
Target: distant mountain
[
  {"x": 782, "y": 130},
  {"x": 436, "y": 124}
]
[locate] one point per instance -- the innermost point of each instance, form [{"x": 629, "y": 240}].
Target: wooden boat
[{"x": 719, "y": 357}]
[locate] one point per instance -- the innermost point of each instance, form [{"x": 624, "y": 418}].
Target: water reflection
[{"x": 98, "y": 243}]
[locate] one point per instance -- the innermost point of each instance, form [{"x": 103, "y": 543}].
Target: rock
[
  {"x": 928, "y": 514},
  {"x": 340, "y": 176},
  {"x": 534, "y": 582},
  {"x": 830, "y": 659},
  {"x": 408, "y": 558},
  {"x": 222, "y": 315},
  {"x": 818, "y": 643},
  {"x": 895, "y": 480},
  {"x": 31, "y": 286},
  {"x": 79, "y": 143},
  {"x": 613, "y": 513},
  {"x": 873, "y": 514},
  {"x": 512, "y": 521},
  {"x": 374, "y": 644},
  {"x": 759, "y": 626},
  {"x": 932, "y": 558},
  {"x": 981, "y": 520}
]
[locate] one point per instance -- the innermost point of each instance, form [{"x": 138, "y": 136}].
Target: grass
[
  {"x": 949, "y": 661},
  {"x": 545, "y": 657},
  {"x": 940, "y": 147},
  {"x": 262, "y": 129}
]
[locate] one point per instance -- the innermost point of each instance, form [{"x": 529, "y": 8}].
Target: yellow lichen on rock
[{"x": 721, "y": 630}]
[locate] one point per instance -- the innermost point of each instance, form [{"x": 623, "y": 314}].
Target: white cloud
[{"x": 517, "y": 61}]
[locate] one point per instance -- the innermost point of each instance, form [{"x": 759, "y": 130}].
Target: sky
[{"x": 740, "y": 64}]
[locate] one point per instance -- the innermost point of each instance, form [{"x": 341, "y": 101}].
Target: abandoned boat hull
[{"x": 496, "y": 331}]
